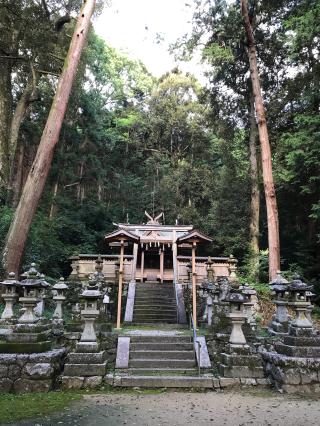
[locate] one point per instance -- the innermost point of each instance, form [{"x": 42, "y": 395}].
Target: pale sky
[{"x": 131, "y": 26}]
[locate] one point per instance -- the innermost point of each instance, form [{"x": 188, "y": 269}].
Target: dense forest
[{"x": 132, "y": 142}]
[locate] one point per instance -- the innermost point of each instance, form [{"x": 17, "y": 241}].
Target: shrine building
[{"x": 153, "y": 252}]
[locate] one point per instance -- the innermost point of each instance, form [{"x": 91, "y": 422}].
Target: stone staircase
[
  {"x": 161, "y": 360},
  {"x": 154, "y": 303}
]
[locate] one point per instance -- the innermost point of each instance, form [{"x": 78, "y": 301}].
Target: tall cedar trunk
[
  {"x": 5, "y": 114},
  {"x": 29, "y": 95},
  {"x": 270, "y": 195},
  {"x": 36, "y": 180},
  {"x": 17, "y": 175},
  {"x": 53, "y": 206},
  {"x": 255, "y": 193}
]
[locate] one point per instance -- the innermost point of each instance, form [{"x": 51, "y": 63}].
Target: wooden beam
[
  {"x": 194, "y": 284},
  {"x": 142, "y": 265},
  {"x": 120, "y": 285},
  {"x": 161, "y": 265}
]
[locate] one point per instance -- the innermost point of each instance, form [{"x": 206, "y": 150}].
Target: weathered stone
[
  {"x": 85, "y": 369},
  {"x": 226, "y": 381},
  {"x": 38, "y": 371},
  {"x": 5, "y": 385},
  {"x": 308, "y": 376},
  {"x": 68, "y": 382},
  {"x": 87, "y": 358},
  {"x": 14, "y": 371},
  {"x": 109, "y": 379},
  {"x": 263, "y": 382},
  {"x": 241, "y": 371},
  {"x": 3, "y": 371},
  {"x": 250, "y": 382},
  {"x": 92, "y": 382},
  {"x": 216, "y": 383},
  {"x": 25, "y": 386}
]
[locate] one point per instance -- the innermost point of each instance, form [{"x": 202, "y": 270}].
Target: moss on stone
[{"x": 26, "y": 348}]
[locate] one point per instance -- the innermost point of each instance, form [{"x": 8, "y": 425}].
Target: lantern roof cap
[
  {"x": 10, "y": 280},
  {"x": 60, "y": 285}
]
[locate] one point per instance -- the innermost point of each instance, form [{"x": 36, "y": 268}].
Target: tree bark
[
  {"x": 36, "y": 180},
  {"x": 255, "y": 193},
  {"x": 270, "y": 195},
  {"x": 5, "y": 114}
]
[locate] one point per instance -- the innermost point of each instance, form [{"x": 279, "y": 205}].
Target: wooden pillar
[
  {"x": 194, "y": 285},
  {"x": 134, "y": 262},
  {"x": 174, "y": 257},
  {"x": 142, "y": 265},
  {"x": 161, "y": 265},
  {"x": 120, "y": 285}
]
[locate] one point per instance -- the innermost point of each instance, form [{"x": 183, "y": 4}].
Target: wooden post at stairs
[
  {"x": 161, "y": 265},
  {"x": 142, "y": 265},
  {"x": 120, "y": 285},
  {"x": 194, "y": 285},
  {"x": 134, "y": 262}
]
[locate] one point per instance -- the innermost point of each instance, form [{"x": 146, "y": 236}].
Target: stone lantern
[
  {"x": 210, "y": 270},
  {"x": 251, "y": 295},
  {"x": 90, "y": 313},
  {"x": 280, "y": 320},
  {"x": 189, "y": 271},
  {"x": 298, "y": 300},
  {"x": 32, "y": 286},
  {"x": 310, "y": 296},
  {"x": 232, "y": 269},
  {"x": 208, "y": 289},
  {"x": 10, "y": 295},
  {"x": 99, "y": 275},
  {"x": 237, "y": 316},
  {"x": 59, "y": 297}
]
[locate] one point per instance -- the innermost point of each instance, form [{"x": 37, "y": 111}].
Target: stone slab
[
  {"x": 85, "y": 370},
  {"x": 71, "y": 382},
  {"x": 87, "y": 358},
  {"x": 164, "y": 382},
  {"x": 128, "y": 316},
  {"x": 204, "y": 356},
  {"x": 123, "y": 349}
]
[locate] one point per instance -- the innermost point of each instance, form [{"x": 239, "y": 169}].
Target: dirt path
[{"x": 187, "y": 408}]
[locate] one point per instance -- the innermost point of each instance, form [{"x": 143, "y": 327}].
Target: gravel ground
[{"x": 187, "y": 408}]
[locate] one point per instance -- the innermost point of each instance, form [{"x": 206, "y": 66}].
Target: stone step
[
  {"x": 241, "y": 371},
  {"x": 154, "y": 299},
  {"x": 85, "y": 370},
  {"x": 149, "y": 322},
  {"x": 161, "y": 346},
  {"x": 298, "y": 351},
  {"x": 164, "y": 381},
  {"x": 148, "y": 314},
  {"x": 162, "y": 363},
  {"x": 155, "y": 306},
  {"x": 161, "y": 355},
  {"x": 155, "y": 338},
  {"x": 160, "y": 371},
  {"x": 248, "y": 360},
  {"x": 157, "y": 310}
]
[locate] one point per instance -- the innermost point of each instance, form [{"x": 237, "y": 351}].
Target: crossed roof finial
[{"x": 153, "y": 220}]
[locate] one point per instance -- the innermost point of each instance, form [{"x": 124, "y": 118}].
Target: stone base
[
  {"x": 23, "y": 373},
  {"x": 293, "y": 374},
  {"x": 241, "y": 363},
  {"x": 81, "y": 382},
  {"x": 278, "y": 328}
]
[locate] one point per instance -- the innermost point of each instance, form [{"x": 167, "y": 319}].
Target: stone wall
[{"x": 22, "y": 373}]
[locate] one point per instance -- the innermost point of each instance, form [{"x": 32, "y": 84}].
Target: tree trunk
[
  {"x": 17, "y": 176},
  {"x": 255, "y": 194},
  {"x": 5, "y": 114},
  {"x": 29, "y": 95},
  {"x": 36, "y": 180},
  {"x": 53, "y": 206},
  {"x": 270, "y": 195}
]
